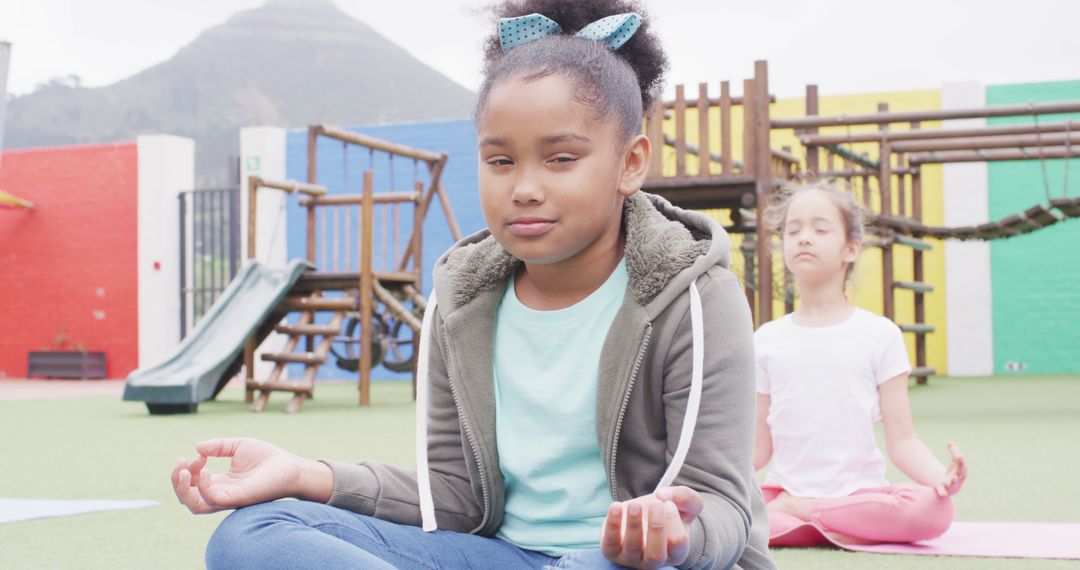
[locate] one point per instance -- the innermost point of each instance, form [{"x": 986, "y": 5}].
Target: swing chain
[
  {"x": 1042, "y": 156},
  {"x": 1068, "y": 156}
]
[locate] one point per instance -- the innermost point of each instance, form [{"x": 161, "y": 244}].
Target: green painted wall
[{"x": 1036, "y": 277}]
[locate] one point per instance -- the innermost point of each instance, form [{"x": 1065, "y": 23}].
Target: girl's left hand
[
  {"x": 657, "y": 531},
  {"x": 955, "y": 475}
]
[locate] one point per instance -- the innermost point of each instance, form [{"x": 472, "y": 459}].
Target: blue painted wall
[{"x": 341, "y": 172}]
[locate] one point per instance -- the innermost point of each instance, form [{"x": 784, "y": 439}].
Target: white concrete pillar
[
  {"x": 262, "y": 154},
  {"x": 166, "y": 168},
  {"x": 968, "y": 302}
]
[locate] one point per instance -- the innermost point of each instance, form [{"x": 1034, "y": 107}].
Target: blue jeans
[{"x": 303, "y": 534}]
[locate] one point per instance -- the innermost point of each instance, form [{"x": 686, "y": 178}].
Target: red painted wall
[{"x": 69, "y": 266}]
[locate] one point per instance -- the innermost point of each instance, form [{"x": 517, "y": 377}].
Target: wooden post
[
  {"x": 762, "y": 153},
  {"x": 884, "y": 183},
  {"x": 418, "y": 270},
  {"x": 917, "y": 261},
  {"x": 367, "y": 277},
  {"x": 789, "y": 292},
  {"x": 249, "y": 369},
  {"x": 812, "y": 164},
  {"x": 748, "y": 168},
  {"x": 312, "y": 141},
  {"x": 435, "y": 170},
  {"x": 451, "y": 221},
  {"x": 680, "y": 131},
  {"x": 920, "y": 301},
  {"x": 312, "y": 177},
  {"x": 748, "y": 127},
  {"x": 901, "y": 188},
  {"x": 311, "y": 233},
  {"x": 417, "y": 242},
  {"x": 253, "y": 191},
  {"x": 704, "y": 155},
  {"x": 748, "y": 248},
  {"x": 725, "y": 127},
  {"x": 249, "y": 345}
]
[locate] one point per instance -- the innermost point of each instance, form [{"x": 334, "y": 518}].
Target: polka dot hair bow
[{"x": 612, "y": 31}]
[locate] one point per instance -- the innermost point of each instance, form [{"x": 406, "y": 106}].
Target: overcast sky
[{"x": 844, "y": 46}]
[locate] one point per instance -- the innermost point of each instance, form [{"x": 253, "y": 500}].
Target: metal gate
[{"x": 209, "y": 250}]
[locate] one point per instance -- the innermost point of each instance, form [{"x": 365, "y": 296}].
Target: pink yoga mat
[{"x": 992, "y": 539}]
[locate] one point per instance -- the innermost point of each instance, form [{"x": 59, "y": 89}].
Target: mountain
[{"x": 288, "y": 63}]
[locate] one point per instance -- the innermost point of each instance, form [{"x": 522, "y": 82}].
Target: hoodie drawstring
[
  {"x": 694, "y": 400},
  {"x": 423, "y": 479}
]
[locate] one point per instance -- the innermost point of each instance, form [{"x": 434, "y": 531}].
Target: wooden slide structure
[{"x": 376, "y": 300}]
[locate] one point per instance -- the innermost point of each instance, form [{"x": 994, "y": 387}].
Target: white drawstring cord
[
  {"x": 423, "y": 477},
  {"x": 427, "y": 504},
  {"x": 694, "y": 400}
]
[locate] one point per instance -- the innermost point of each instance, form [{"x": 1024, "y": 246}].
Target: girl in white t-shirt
[{"x": 825, "y": 374}]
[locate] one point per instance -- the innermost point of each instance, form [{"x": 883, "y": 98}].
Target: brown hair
[{"x": 852, "y": 215}]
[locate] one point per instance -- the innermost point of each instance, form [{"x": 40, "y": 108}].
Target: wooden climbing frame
[
  {"x": 728, "y": 178},
  {"x": 883, "y": 169},
  {"x": 373, "y": 285}
]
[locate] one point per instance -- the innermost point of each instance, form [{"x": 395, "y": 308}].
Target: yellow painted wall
[{"x": 866, "y": 291}]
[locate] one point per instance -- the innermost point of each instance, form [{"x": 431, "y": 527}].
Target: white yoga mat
[{"x": 12, "y": 510}]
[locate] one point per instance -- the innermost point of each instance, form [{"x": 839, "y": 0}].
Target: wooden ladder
[{"x": 312, "y": 361}]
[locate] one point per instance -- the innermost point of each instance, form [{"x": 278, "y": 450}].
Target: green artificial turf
[{"x": 1017, "y": 432}]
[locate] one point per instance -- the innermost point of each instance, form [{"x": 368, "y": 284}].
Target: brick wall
[
  {"x": 1035, "y": 277},
  {"x": 68, "y": 267}
]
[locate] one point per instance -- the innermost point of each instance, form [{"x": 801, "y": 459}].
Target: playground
[
  {"x": 288, "y": 307},
  {"x": 1017, "y": 430}
]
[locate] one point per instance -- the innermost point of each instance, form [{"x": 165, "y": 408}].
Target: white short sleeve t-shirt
[{"x": 823, "y": 383}]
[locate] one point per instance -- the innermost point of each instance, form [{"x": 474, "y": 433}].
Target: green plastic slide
[{"x": 211, "y": 354}]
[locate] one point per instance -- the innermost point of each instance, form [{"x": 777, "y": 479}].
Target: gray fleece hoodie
[{"x": 647, "y": 403}]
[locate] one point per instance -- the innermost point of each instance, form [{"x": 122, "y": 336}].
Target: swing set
[{"x": 366, "y": 254}]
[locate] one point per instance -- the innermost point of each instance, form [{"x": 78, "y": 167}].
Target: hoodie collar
[{"x": 666, "y": 249}]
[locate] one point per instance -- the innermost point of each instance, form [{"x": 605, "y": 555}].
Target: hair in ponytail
[{"x": 619, "y": 85}]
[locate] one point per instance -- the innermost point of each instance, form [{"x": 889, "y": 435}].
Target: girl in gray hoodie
[{"x": 586, "y": 367}]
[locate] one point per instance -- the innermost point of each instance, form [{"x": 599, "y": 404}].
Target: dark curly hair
[{"x": 620, "y": 84}]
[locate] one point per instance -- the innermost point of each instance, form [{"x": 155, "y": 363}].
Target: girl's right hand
[
  {"x": 955, "y": 474},
  {"x": 657, "y": 528},
  {"x": 258, "y": 472}
]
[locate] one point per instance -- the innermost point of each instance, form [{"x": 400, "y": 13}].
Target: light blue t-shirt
[{"x": 546, "y": 370}]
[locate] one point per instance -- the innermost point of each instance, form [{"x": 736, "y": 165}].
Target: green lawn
[{"x": 1018, "y": 433}]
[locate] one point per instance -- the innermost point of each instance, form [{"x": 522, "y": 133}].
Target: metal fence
[{"x": 209, "y": 249}]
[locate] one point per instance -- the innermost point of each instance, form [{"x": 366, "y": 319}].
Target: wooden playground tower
[
  {"x": 883, "y": 169},
  {"x": 380, "y": 293}
]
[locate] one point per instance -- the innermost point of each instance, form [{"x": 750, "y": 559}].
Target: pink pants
[{"x": 897, "y": 513}]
